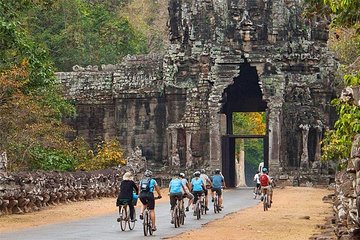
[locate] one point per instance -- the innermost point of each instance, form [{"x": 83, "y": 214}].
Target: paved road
[{"x": 106, "y": 228}]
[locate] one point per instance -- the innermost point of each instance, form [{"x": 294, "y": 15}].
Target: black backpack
[{"x": 145, "y": 185}]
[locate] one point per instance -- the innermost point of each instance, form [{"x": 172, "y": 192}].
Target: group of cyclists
[{"x": 179, "y": 188}]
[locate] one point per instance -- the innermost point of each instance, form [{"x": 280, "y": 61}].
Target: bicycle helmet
[
  {"x": 197, "y": 174},
  {"x": 264, "y": 170},
  {"x": 217, "y": 171},
  {"x": 202, "y": 170},
  {"x": 148, "y": 173},
  {"x": 182, "y": 174}
]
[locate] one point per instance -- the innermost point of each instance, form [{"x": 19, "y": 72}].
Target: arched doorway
[{"x": 244, "y": 95}]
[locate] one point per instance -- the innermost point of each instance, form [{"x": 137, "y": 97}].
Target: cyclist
[
  {"x": 208, "y": 185},
  {"x": 257, "y": 182},
  {"x": 197, "y": 186},
  {"x": 147, "y": 186},
  {"x": 176, "y": 189},
  {"x": 218, "y": 183},
  {"x": 127, "y": 188},
  {"x": 264, "y": 182},
  {"x": 187, "y": 192}
]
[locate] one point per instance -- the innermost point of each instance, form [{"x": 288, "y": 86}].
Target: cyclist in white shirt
[
  {"x": 206, "y": 180},
  {"x": 187, "y": 192}
]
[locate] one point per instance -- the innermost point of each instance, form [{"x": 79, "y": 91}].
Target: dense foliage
[
  {"x": 345, "y": 42},
  {"x": 31, "y": 102},
  {"x": 252, "y": 123}
]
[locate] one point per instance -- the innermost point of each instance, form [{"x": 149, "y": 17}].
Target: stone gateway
[{"x": 223, "y": 57}]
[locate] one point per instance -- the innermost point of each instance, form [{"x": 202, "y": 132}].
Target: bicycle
[
  {"x": 147, "y": 224},
  {"x": 216, "y": 203},
  {"x": 266, "y": 200},
  {"x": 257, "y": 192},
  {"x": 199, "y": 207},
  {"x": 124, "y": 217},
  {"x": 203, "y": 207},
  {"x": 179, "y": 213}
]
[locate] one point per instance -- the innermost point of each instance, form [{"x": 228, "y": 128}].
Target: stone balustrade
[{"x": 32, "y": 191}]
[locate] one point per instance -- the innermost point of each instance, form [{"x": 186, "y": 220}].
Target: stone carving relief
[
  {"x": 3, "y": 162},
  {"x": 136, "y": 161}
]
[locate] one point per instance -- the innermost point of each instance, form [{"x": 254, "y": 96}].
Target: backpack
[
  {"x": 264, "y": 180},
  {"x": 145, "y": 185}
]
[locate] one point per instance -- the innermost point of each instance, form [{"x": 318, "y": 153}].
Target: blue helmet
[{"x": 264, "y": 169}]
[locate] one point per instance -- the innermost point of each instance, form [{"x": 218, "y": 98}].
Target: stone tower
[{"x": 224, "y": 56}]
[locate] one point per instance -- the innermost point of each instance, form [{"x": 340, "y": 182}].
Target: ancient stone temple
[{"x": 224, "y": 57}]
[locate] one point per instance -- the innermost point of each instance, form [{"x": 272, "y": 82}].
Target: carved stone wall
[{"x": 170, "y": 105}]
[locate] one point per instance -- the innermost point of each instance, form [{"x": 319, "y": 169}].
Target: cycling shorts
[
  {"x": 217, "y": 190},
  {"x": 147, "y": 198}
]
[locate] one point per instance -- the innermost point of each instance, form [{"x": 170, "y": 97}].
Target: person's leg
[
  {"x": 206, "y": 199},
  {"x": 191, "y": 198},
  {"x": 132, "y": 210},
  {"x": 172, "y": 206},
  {"x": 152, "y": 212}
]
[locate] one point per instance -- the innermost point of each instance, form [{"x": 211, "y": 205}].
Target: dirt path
[{"x": 294, "y": 215}]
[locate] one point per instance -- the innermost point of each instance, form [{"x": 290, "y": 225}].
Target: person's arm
[
  {"x": 136, "y": 188},
  {"x": 157, "y": 188},
  {"x": 223, "y": 182}
]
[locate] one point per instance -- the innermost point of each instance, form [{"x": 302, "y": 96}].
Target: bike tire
[
  {"x": 145, "y": 223},
  {"x": 216, "y": 207},
  {"x": 123, "y": 218},
  {"x": 198, "y": 211},
  {"x": 176, "y": 217},
  {"x": 265, "y": 203},
  {"x": 149, "y": 224},
  {"x": 182, "y": 216},
  {"x": 131, "y": 224}
]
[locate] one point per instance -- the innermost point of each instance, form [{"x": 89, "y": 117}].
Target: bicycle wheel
[
  {"x": 265, "y": 203},
  {"x": 182, "y": 214},
  {"x": 146, "y": 223},
  {"x": 216, "y": 207},
  {"x": 149, "y": 224},
  {"x": 123, "y": 217},
  {"x": 176, "y": 217},
  {"x": 131, "y": 224},
  {"x": 198, "y": 210}
]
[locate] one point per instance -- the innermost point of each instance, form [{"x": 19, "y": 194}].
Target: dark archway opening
[{"x": 244, "y": 95}]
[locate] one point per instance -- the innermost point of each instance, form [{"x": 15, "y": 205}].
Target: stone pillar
[
  {"x": 215, "y": 140},
  {"x": 274, "y": 125},
  {"x": 240, "y": 168},
  {"x": 318, "y": 142},
  {"x": 189, "y": 158},
  {"x": 305, "y": 137}
]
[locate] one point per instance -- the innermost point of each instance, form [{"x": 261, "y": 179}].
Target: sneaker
[
  {"x": 172, "y": 221},
  {"x": 154, "y": 229},
  {"x": 133, "y": 220},
  {"x": 270, "y": 201},
  {"x": 262, "y": 198},
  {"x": 212, "y": 199},
  {"x": 118, "y": 219},
  {"x": 141, "y": 217},
  {"x": 187, "y": 209},
  {"x": 207, "y": 209}
]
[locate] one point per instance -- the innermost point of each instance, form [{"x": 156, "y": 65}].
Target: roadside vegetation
[{"x": 344, "y": 41}]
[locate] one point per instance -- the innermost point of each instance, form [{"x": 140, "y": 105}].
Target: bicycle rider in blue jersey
[
  {"x": 197, "y": 187},
  {"x": 146, "y": 196},
  {"x": 176, "y": 190},
  {"x": 218, "y": 184}
]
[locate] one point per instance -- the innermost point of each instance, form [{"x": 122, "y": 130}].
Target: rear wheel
[
  {"x": 216, "y": 206},
  {"x": 149, "y": 224},
  {"x": 131, "y": 224},
  {"x": 197, "y": 211},
  {"x": 146, "y": 223},
  {"x": 176, "y": 217},
  {"x": 123, "y": 218},
  {"x": 265, "y": 202}
]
